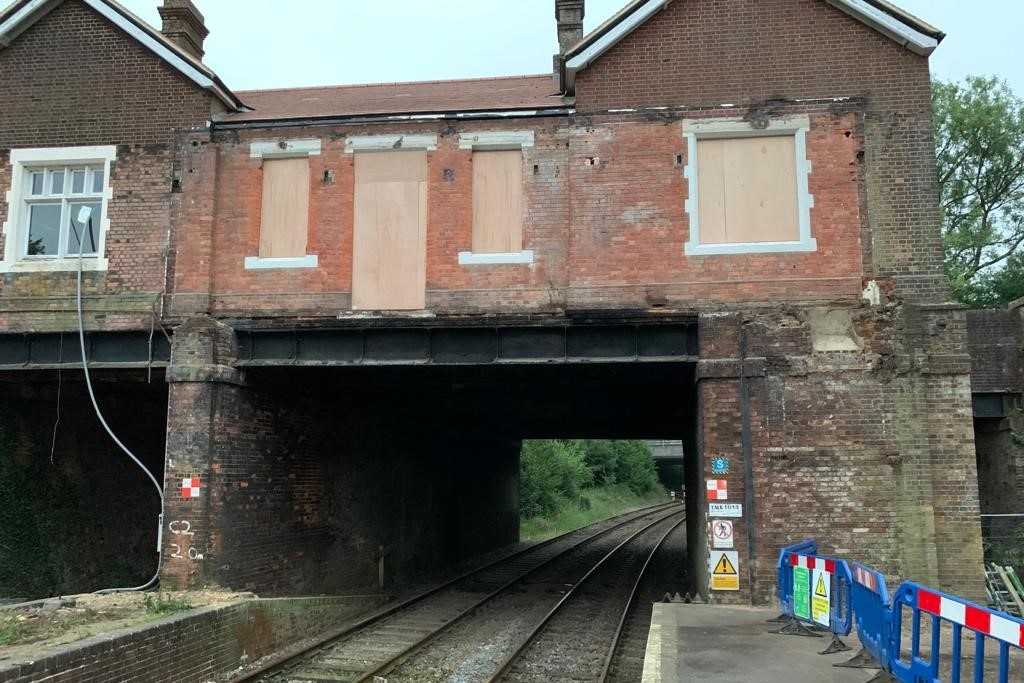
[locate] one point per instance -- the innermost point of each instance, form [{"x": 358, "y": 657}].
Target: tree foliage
[
  {"x": 556, "y": 472},
  {"x": 979, "y": 131}
]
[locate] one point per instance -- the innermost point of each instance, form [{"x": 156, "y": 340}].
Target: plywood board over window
[
  {"x": 747, "y": 190},
  {"x": 390, "y": 235},
  {"x": 497, "y": 202},
  {"x": 285, "y": 208}
]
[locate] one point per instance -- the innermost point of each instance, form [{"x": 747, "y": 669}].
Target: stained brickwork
[
  {"x": 995, "y": 343},
  {"x": 859, "y": 434},
  {"x": 872, "y": 459},
  {"x": 77, "y": 515},
  {"x": 196, "y": 646}
]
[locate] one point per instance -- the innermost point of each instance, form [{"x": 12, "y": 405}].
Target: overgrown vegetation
[
  {"x": 10, "y": 628},
  {"x": 161, "y": 604},
  {"x": 979, "y": 137},
  {"x": 565, "y": 484}
]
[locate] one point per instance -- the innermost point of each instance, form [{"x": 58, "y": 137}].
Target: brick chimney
[
  {"x": 184, "y": 25},
  {"x": 569, "y": 14}
]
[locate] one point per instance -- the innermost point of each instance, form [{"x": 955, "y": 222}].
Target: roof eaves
[
  {"x": 227, "y": 122},
  {"x": 22, "y": 15},
  {"x": 902, "y": 27},
  {"x": 908, "y": 18},
  {"x": 607, "y": 36},
  {"x": 894, "y": 23}
]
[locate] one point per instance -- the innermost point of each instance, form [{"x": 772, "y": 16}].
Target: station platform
[{"x": 718, "y": 644}]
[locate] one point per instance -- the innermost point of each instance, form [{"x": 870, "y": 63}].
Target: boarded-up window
[
  {"x": 497, "y": 202},
  {"x": 747, "y": 190},
  {"x": 389, "y": 248},
  {"x": 285, "y": 208}
]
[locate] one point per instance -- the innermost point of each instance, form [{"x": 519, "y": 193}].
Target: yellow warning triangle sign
[
  {"x": 820, "y": 590},
  {"x": 724, "y": 566}
]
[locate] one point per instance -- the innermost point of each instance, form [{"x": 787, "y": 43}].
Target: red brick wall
[
  {"x": 705, "y": 53},
  {"x": 74, "y": 79},
  {"x": 629, "y": 223},
  {"x": 622, "y": 247}
]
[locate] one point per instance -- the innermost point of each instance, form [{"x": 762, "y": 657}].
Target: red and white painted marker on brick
[
  {"x": 808, "y": 562},
  {"x": 973, "y": 617},
  {"x": 718, "y": 489},
  {"x": 190, "y": 487}
]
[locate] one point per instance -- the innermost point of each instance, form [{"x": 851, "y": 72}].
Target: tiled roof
[{"x": 424, "y": 97}]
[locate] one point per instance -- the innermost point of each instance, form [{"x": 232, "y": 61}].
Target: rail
[
  {"x": 509, "y": 660},
  {"x": 290, "y": 658}
]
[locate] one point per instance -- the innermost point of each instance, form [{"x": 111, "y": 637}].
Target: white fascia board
[
  {"x": 10, "y": 28},
  {"x": 13, "y": 26},
  {"x": 161, "y": 50},
  {"x": 390, "y": 143},
  {"x": 608, "y": 40},
  {"x": 496, "y": 139},
  {"x": 888, "y": 25},
  {"x": 278, "y": 149}
]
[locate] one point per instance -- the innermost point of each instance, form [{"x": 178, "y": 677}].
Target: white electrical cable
[{"x": 85, "y": 215}]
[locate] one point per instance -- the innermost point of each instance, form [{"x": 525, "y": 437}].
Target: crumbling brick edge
[{"x": 206, "y": 644}]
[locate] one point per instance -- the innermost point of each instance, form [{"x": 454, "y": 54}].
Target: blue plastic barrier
[
  {"x": 872, "y": 614},
  {"x": 840, "y": 581},
  {"x": 805, "y": 555},
  {"x": 987, "y": 626},
  {"x": 785, "y": 572}
]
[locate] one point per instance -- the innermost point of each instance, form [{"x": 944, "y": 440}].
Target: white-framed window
[
  {"x": 49, "y": 189},
  {"x": 284, "y": 214},
  {"x": 748, "y": 186},
  {"x": 498, "y": 159}
]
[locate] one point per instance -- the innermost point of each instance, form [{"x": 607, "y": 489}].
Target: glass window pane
[
  {"x": 97, "y": 180},
  {"x": 57, "y": 182},
  {"x": 37, "y": 183},
  {"x": 44, "y": 230},
  {"x": 78, "y": 182},
  {"x": 87, "y": 233}
]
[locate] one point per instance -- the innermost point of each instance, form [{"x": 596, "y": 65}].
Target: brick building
[{"x": 694, "y": 230}]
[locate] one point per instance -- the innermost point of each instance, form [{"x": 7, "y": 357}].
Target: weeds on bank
[
  {"x": 11, "y": 628},
  {"x": 160, "y": 604}
]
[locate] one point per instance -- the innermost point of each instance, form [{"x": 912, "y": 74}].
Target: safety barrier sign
[{"x": 818, "y": 588}]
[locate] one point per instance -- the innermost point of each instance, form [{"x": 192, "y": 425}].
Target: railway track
[{"x": 477, "y": 627}]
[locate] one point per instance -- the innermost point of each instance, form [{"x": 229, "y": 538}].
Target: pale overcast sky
[{"x": 291, "y": 43}]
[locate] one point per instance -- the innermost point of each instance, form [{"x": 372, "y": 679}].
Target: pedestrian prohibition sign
[{"x": 725, "y": 575}]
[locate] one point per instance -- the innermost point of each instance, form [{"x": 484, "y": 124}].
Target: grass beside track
[{"x": 595, "y": 504}]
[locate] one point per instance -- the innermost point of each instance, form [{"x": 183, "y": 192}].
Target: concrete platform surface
[{"x": 716, "y": 644}]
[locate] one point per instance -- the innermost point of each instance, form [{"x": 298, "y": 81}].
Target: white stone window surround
[
  {"x": 496, "y": 140},
  {"x": 796, "y": 126},
  {"x": 15, "y": 228},
  {"x": 283, "y": 149}
]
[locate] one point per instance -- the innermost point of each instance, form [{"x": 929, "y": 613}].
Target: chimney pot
[
  {"x": 184, "y": 25},
  {"x": 569, "y": 14}
]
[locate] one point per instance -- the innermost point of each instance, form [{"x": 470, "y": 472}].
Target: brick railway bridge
[{"x": 328, "y": 316}]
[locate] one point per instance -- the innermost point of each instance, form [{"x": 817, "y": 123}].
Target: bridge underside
[{"x": 318, "y": 461}]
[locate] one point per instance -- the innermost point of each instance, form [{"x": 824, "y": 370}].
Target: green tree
[
  {"x": 979, "y": 136},
  {"x": 551, "y": 473}
]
